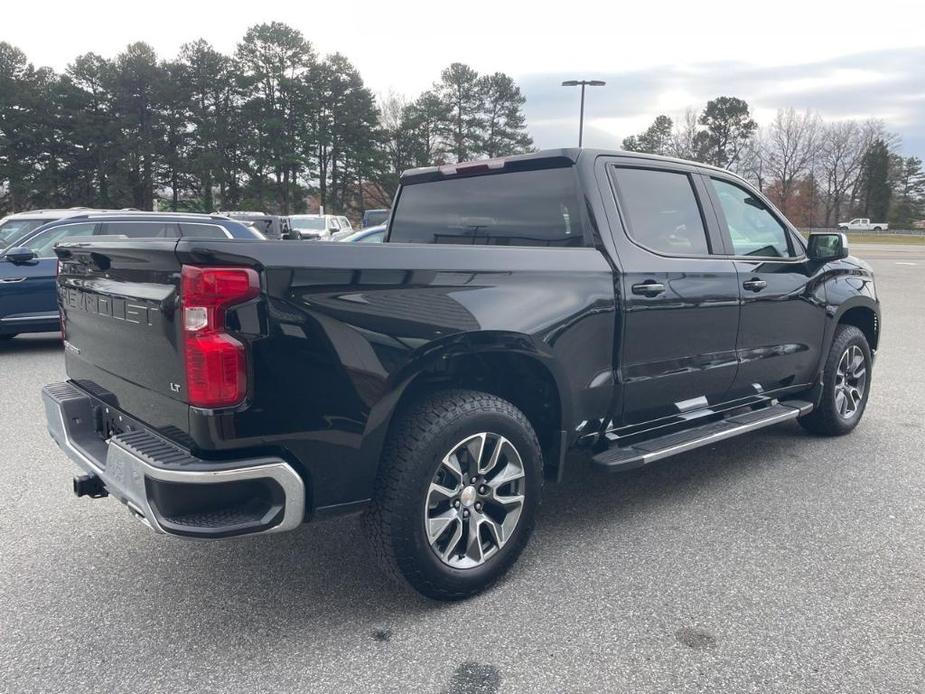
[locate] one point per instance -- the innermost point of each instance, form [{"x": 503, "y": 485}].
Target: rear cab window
[{"x": 535, "y": 207}]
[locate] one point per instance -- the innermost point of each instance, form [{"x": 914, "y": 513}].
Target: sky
[{"x": 843, "y": 59}]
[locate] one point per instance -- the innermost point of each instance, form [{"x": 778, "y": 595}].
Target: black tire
[
  {"x": 826, "y": 418},
  {"x": 419, "y": 439},
  {"x": 877, "y": 229}
]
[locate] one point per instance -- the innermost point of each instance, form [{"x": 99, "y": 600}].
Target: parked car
[
  {"x": 371, "y": 235},
  {"x": 373, "y": 218},
  {"x": 863, "y": 224},
  {"x": 271, "y": 226},
  {"x": 576, "y": 303},
  {"x": 16, "y": 226},
  {"x": 314, "y": 226},
  {"x": 27, "y": 271}
]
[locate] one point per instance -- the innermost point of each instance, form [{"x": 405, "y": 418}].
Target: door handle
[
  {"x": 648, "y": 288},
  {"x": 754, "y": 285}
]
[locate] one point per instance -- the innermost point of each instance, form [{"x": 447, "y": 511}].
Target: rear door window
[
  {"x": 660, "y": 211},
  {"x": 520, "y": 208},
  {"x": 137, "y": 229}
]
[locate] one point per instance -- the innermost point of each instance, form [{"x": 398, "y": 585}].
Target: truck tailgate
[{"x": 123, "y": 340}]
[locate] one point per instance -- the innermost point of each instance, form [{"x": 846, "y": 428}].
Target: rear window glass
[{"x": 521, "y": 208}]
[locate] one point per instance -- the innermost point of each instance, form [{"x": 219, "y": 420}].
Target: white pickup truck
[{"x": 863, "y": 224}]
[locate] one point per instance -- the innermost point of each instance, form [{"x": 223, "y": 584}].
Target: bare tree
[
  {"x": 683, "y": 142},
  {"x": 791, "y": 147},
  {"x": 841, "y": 151},
  {"x": 753, "y": 164}
]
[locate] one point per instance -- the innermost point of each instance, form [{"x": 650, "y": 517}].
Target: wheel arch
[
  {"x": 864, "y": 316},
  {"x": 508, "y": 365}
]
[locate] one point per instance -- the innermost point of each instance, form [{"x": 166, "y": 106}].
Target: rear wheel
[
  {"x": 877, "y": 229},
  {"x": 846, "y": 385},
  {"x": 457, "y": 493}
]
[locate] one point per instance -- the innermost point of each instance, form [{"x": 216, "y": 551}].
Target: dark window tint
[
  {"x": 753, "y": 229},
  {"x": 202, "y": 231},
  {"x": 523, "y": 208},
  {"x": 137, "y": 229},
  {"x": 661, "y": 211}
]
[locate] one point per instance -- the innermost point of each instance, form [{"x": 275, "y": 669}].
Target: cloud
[{"x": 886, "y": 84}]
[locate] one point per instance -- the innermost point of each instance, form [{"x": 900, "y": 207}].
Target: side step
[{"x": 645, "y": 452}]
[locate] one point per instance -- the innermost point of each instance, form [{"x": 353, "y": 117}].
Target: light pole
[{"x": 581, "y": 115}]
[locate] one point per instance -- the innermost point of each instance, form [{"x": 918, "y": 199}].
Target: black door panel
[
  {"x": 782, "y": 307},
  {"x": 680, "y": 344},
  {"x": 780, "y": 327},
  {"x": 680, "y": 304}
]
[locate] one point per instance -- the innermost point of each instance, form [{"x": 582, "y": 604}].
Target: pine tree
[
  {"x": 463, "y": 98},
  {"x": 875, "y": 184},
  {"x": 505, "y": 126},
  {"x": 728, "y": 127}
]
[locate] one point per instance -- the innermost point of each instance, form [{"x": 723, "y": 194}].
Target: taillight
[{"x": 216, "y": 363}]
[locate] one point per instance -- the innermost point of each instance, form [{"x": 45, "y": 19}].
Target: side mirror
[
  {"x": 827, "y": 246},
  {"x": 20, "y": 255}
]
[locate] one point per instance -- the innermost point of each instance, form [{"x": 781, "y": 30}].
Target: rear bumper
[{"x": 163, "y": 485}]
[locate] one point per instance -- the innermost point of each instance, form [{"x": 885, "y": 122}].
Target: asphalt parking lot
[{"x": 774, "y": 562}]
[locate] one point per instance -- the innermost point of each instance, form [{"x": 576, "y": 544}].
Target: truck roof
[{"x": 545, "y": 158}]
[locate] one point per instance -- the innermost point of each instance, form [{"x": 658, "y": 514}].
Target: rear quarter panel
[{"x": 349, "y": 326}]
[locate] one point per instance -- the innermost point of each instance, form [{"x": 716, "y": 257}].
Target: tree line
[
  {"x": 272, "y": 127},
  {"x": 276, "y": 127},
  {"x": 818, "y": 173}
]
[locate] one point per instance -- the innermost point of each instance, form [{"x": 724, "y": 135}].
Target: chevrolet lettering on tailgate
[{"x": 109, "y": 306}]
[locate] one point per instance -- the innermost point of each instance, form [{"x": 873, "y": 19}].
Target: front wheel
[
  {"x": 457, "y": 493},
  {"x": 846, "y": 385}
]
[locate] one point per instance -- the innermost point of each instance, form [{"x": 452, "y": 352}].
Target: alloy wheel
[
  {"x": 474, "y": 501},
  {"x": 850, "y": 382}
]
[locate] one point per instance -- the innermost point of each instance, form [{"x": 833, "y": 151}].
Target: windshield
[
  {"x": 13, "y": 229},
  {"x": 308, "y": 223}
]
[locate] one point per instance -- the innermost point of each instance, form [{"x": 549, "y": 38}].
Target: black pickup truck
[{"x": 523, "y": 312}]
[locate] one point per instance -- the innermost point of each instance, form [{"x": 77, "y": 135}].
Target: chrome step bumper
[
  {"x": 149, "y": 475},
  {"x": 645, "y": 452}
]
